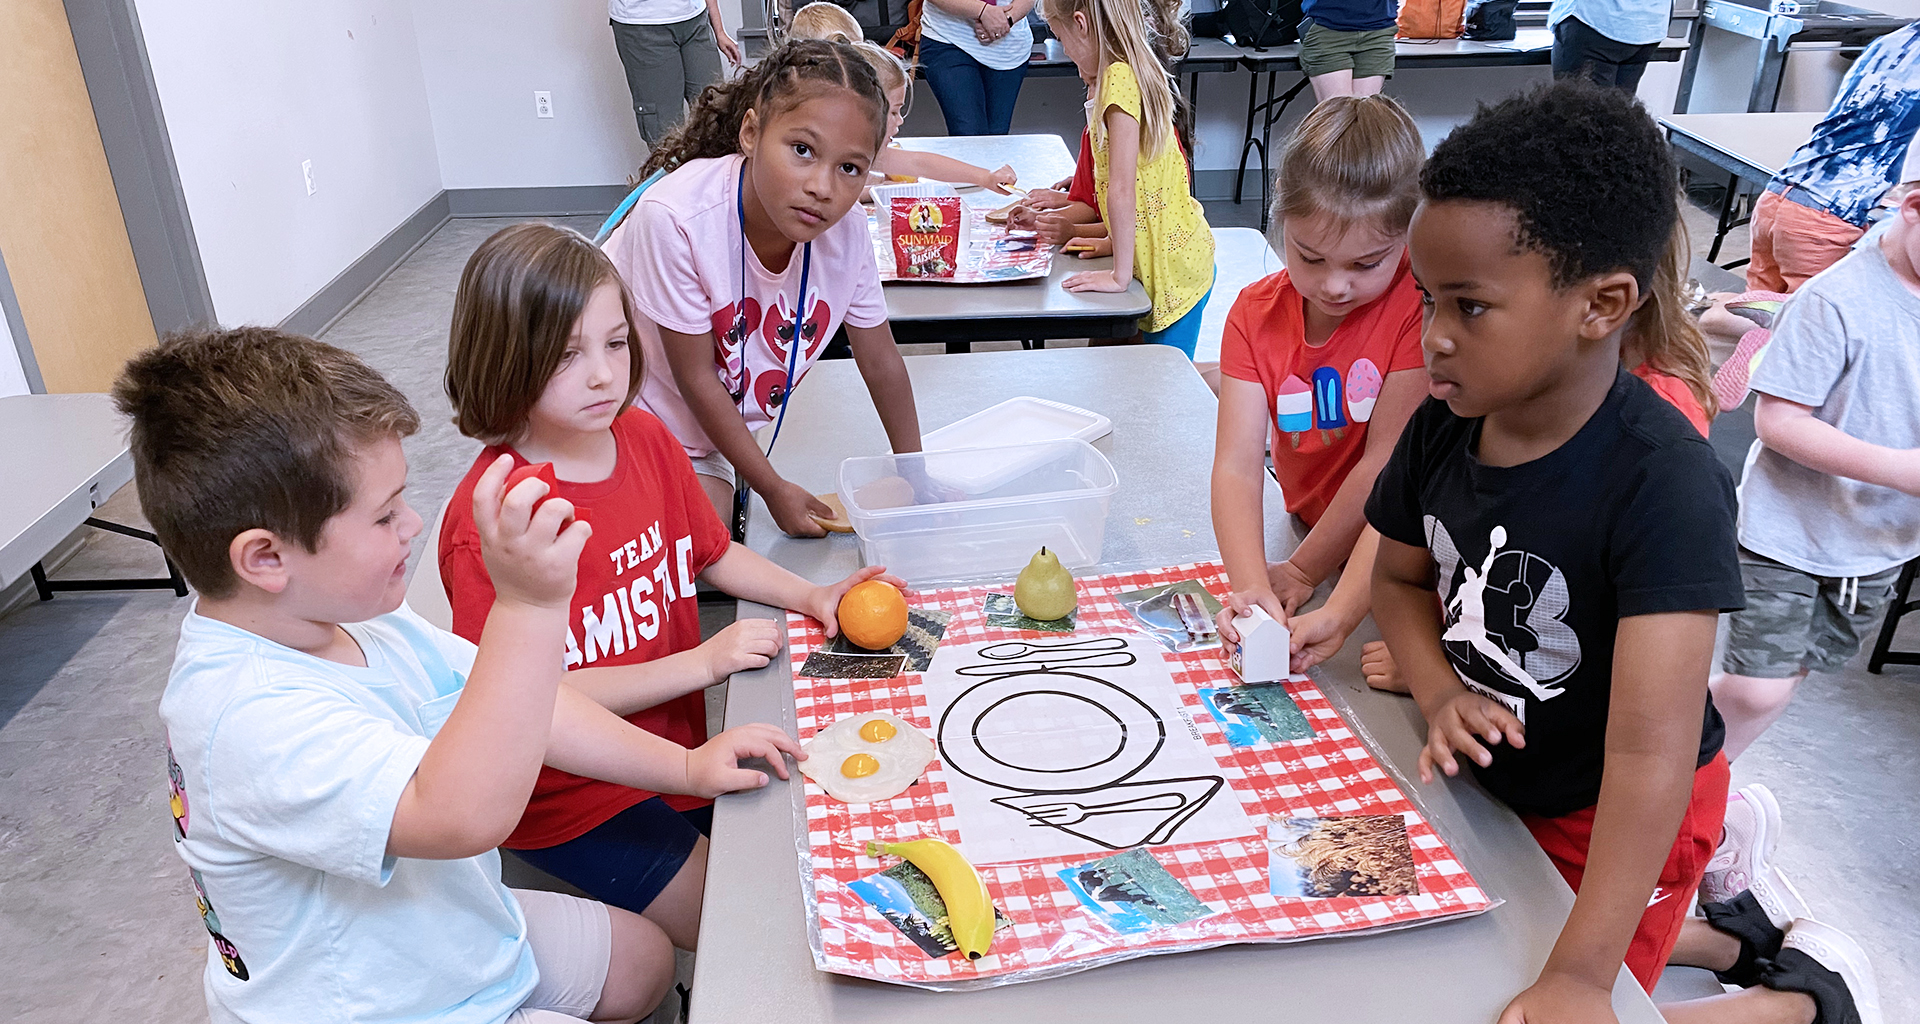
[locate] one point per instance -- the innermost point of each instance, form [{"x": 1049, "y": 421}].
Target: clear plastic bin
[{"x": 977, "y": 513}]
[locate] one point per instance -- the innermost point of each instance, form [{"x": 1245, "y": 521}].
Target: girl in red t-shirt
[
  {"x": 542, "y": 366},
  {"x": 1321, "y": 363}
]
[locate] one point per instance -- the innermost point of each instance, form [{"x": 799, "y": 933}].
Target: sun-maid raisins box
[{"x": 926, "y": 235}]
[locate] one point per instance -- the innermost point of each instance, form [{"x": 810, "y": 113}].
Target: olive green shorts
[
  {"x": 1367, "y": 54},
  {"x": 1796, "y": 622}
]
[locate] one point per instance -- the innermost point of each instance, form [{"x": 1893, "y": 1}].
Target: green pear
[{"x": 1045, "y": 590}]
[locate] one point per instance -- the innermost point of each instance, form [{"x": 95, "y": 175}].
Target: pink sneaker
[{"x": 1751, "y": 833}]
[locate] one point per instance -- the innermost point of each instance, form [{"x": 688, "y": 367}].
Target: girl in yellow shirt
[{"x": 1159, "y": 232}]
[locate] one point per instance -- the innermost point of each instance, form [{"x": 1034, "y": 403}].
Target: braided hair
[{"x": 781, "y": 81}]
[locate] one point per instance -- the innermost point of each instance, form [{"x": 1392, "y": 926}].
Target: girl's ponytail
[
  {"x": 1664, "y": 334},
  {"x": 781, "y": 79}
]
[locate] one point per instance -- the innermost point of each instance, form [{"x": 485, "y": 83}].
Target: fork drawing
[{"x": 1070, "y": 812}]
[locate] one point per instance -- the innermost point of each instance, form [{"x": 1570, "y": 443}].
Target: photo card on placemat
[
  {"x": 907, "y": 898},
  {"x": 1132, "y": 892},
  {"x": 824, "y": 665},
  {"x": 1359, "y": 855},
  {"x": 1252, "y": 714},
  {"x": 1004, "y": 613},
  {"x": 925, "y": 627}
]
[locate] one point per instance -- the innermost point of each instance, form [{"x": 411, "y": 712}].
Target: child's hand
[
  {"x": 746, "y": 645},
  {"x": 1096, "y": 248},
  {"x": 794, "y": 507},
  {"x": 1239, "y": 603},
  {"x": 1042, "y": 199},
  {"x": 1377, "y": 665},
  {"x": 1459, "y": 725},
  {"x": 1317, "y": 636},
  {"x": 999, "y": 178},
  {"x": 1290, "y": 584},
  {"x": 1561, "y": 999},
  {"x": 1096, "y": 281},
  {"x": 714, "y": 768},
  {"x": 530, "y": 558},
  {"x": 824, "y": 603}
]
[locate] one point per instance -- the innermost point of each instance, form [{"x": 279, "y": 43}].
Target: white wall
[
  {"x": 13, "y": 379},
  {"x": 483, "y": 60},
  {"x": 250, "y": 89}
]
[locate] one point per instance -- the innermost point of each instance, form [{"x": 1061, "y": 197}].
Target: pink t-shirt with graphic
[{"x": 679, "y": 252}]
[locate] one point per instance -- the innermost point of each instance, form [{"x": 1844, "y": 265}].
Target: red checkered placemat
[{"x": 1333, "y": 774}]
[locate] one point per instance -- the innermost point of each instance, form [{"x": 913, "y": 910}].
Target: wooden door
[{"x": 61, "y": 230}]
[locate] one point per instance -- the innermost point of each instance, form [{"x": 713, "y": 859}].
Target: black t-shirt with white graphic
[{"x": 1537, "y": 563}]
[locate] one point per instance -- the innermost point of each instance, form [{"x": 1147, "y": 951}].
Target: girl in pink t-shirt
[{"x": 743, "y": 263}]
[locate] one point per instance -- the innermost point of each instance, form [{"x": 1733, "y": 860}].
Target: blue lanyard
[{"x": 797, "y": 340}]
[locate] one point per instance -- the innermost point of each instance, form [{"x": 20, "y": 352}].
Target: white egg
[{"x": 865, "y": 758}]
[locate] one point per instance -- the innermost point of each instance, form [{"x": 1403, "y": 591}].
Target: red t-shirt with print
[
  {"x": 1674, "y": 390},
  {"x": 653, "y": 531},
  {"x": 1319, "y": 398}
]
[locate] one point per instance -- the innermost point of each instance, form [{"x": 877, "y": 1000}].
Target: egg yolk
[
  {"x": 859, "y": 766},
  {"x": 878, "y": 730}
]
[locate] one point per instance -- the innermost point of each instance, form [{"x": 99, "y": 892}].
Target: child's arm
[
  {"x": 624, "y": 689},
  {"x": 885, "y": 373},
  {"x": 1792, "y": 430},
  {"x": 472, "y": 784},
  {"x": 591, "y": 741},
  {"x": 1123, "y": 161},
  {"x": 691, "y": 357},
  {"x": 1319, "y": 634},
  {"x": 749, "y": 575},
  {"x": 1660, "y": 666},
  {"x": 1407, "y": 609},
  {"x": 940, "y": 167},
  {"x": 1239, "y": 478},
  {"x": 728, "y": 48},
  {"x": 1332, "y": 538}
]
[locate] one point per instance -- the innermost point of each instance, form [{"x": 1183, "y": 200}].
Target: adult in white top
[
  {"x": 671, "y": 50},
  {"x": 975, "y": 54}
]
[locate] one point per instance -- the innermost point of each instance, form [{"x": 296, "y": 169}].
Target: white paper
[{"x": 1083, "y": 742}]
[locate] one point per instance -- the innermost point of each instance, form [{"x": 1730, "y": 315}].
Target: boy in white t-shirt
[{"x": 338, "y": 790}]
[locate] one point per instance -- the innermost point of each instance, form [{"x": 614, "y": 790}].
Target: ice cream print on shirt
[
  {"x": 176, "y": 797},
  {"x": 229, "y": 956},
  {"x": 637, "y": 608},
  {"x": 752, "y": 343},
  {"x": 1329, "y": 404},
  {"x": 1505, "y": 619}
]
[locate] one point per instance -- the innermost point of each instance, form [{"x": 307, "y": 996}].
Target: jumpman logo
[{"x": 1470, "y": 602}]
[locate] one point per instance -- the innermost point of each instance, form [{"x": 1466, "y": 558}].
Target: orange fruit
[{"x": 873, "y": 615}]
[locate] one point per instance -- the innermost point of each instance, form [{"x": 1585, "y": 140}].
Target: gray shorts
[
  {"x": 713, "y": 464},
  {"x": 1797, "y": 622}
]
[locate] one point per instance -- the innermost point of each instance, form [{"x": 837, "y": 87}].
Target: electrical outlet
[
  {"x": 306, "y": 172},
  {"x": 542, "y": 103}
]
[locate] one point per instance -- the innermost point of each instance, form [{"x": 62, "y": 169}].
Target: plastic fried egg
[{"x": 864, "y": 758}]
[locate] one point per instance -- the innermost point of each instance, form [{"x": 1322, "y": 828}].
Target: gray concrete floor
[{"x": 97, "y": 920}]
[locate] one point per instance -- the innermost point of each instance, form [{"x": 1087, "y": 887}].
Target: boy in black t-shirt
[{"x": 1579, "y": 534}]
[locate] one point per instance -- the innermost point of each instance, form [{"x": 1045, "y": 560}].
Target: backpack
[
  {"x": 1431, "y": 19},
  {"x": 1489, "y": 20},
  {"x": 1263, "y": 23}
]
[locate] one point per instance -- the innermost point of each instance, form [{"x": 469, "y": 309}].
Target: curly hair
[
  {"x": 1586, "y": 171},
  {"x": 784, "y": 78}
]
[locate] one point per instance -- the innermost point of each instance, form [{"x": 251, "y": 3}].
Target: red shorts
[{"x": 1566, "y": 840}]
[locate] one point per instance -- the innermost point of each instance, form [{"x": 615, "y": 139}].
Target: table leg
[
  {"x": 1726, "y": 218},
  {"x": 1689, "y": 64},
  {"x": 1253, "y": 95},
  {"x": 1274, "y": 110},
  {"x": 173, "y": 581}
]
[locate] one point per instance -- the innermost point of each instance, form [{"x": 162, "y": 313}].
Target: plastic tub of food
[{"x": 927, "y": 519}]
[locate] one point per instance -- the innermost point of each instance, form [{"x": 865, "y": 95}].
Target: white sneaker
[
  {"x": 1837, "y": 952},
  {"x": 1777, "y": 896},
  {"x": 1752, "y": 831}
]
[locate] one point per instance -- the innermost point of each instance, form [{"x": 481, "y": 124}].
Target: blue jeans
[{"x": 974, "y": 98}]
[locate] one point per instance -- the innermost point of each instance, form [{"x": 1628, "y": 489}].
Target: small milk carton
[{"x": 1264, "y": 653}]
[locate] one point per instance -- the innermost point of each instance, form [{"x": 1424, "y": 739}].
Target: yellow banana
[{"x": 969, "y": 908}]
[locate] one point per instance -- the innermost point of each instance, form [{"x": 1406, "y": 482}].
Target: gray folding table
[
  {"x": 1028, "y": 311},
  {"x": 754, "y": 963},
  {"x": 1750, "y": 147},
  {"x": 63, "y": 456}
]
